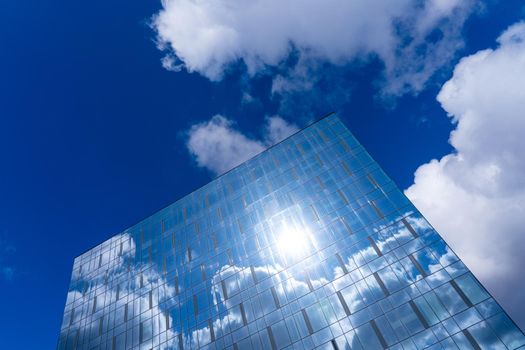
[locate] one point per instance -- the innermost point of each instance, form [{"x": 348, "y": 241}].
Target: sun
[{"x": 293, "y": 242}]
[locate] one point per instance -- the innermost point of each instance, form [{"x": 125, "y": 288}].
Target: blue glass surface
[{"x": 307, "y": 245}]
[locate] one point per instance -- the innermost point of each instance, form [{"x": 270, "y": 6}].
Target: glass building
[{"x": 307, "y": 245}]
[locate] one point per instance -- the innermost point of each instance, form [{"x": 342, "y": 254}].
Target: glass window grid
[{"x": 305, "y": 181}]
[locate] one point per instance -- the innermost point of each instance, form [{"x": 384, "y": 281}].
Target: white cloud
[
  {"x": 412, "y": 38},
  {"x": 277, "y": 129},
  {"x": 171, "y": 63},
  {"x": 246, "y": 98},
  {"x": 218, "y": 146},
  {"x": 475, "y": 196}
]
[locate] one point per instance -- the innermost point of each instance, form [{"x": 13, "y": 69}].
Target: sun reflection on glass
[{"x": 293, "y": 242}]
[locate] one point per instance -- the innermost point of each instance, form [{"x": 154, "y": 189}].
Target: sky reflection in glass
[{"x": 307, "y": 245}]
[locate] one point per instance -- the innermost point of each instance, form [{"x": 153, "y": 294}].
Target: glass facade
[{"x": 307, "y": 245}]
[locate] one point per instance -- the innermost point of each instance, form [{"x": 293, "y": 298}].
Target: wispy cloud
[
  {"x": 218, "y": 146},
  {"x": 8, "y": 272},
  {"x": 7, "y": 250},
  {"x": 475, "y": 196}
]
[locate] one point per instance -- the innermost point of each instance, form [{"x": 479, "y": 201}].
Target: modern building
[{"x": 307, "y": 245}]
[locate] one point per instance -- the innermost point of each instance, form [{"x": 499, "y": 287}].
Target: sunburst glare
[{"x": 293, "y": 242}]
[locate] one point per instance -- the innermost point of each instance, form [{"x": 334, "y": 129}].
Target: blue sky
[{"x": 107, "y": 115}]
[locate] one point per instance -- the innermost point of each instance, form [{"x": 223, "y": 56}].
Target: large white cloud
[
  {"x": 412, "y": 38},
  {"x": 218, "y": 146},
  {"x": 475, "y": 196}
]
